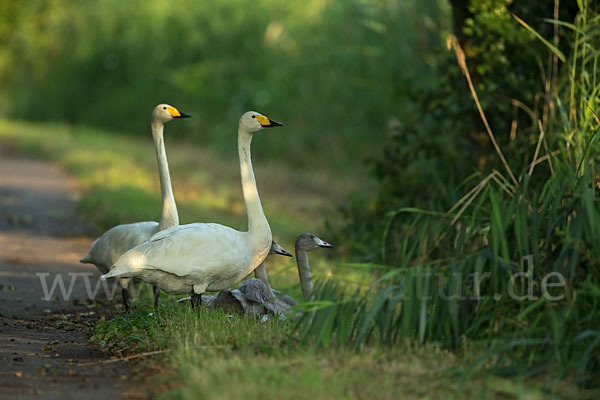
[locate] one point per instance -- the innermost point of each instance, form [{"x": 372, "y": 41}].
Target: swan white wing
[
  {"x": 107, "y": 249},
  {"x": 174, "y": 230},
  {"x": 202, "y": 251}
]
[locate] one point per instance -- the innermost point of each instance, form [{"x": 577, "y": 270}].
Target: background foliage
[
  {"x": 332, "y": 70},
  {"x": 520, "y": 223}
]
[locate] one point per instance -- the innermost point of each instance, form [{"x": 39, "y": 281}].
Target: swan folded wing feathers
[
  {"x": 174, "y": 230},
  {"x": 195, "y": 250},
  {"x": 107, "y": 249}
]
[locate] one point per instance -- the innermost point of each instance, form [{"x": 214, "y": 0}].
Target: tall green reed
[{"x": 515, "y": 265}]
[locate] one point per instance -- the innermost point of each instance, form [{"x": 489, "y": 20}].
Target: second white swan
[
  {"x": 202, "y": 257},
  {"x": 107, "y": 249}
]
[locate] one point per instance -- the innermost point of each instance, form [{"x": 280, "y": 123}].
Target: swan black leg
[
  {"x": 196, "y": 300},
  {"x": 125, "y": 294},
  {"x": 156, "y": 292}
]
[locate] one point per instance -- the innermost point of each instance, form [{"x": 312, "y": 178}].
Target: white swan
[
  {"x": 201, "y": 257},
  {"x": 107, "y": 249}
]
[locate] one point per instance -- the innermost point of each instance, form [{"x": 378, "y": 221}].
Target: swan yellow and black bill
[
  {"x": 175, "y": 113},
  {"x": 267, "y": 122}
]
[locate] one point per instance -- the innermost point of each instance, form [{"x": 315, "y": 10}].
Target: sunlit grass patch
[
  {"x": 308, "y": 375},
  {"x": 175, "y": 324},
  {"x": 210, "y": 354},
  {"x": 406, "y": 373}
]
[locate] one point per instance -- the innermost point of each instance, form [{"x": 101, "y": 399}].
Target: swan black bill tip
[
  {"x": 184, "y": 115},
  {"x": 283, "y": 252},
  {"x": 273, "y": 123}
]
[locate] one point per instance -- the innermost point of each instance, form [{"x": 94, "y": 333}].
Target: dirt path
[{"x": 41, "y": 351}]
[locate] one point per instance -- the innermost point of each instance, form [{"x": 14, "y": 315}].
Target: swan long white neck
[
  {"x": 259, "y": 231},
  {"x": 304, "y": 272},
  {"x": 169, "y": 216}
]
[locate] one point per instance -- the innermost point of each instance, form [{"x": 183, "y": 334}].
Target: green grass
[{"x": 219, "y": 356}]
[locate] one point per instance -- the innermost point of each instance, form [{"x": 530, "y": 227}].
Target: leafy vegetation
[
  {"x": 514, "y": 263},
  {"x": 430, "y": 151}
]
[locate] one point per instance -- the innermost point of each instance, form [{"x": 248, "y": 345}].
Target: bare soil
[{"x": 44, "y": 349}]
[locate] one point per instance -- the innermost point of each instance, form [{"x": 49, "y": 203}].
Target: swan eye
[
  {"x": 164, "y": 108},
  {"x": 254, "y": 116}
]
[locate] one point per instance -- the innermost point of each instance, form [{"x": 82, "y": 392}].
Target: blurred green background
[{"x": 338, "y": 73}]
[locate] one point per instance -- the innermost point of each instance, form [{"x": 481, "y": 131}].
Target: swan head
[
  {"x": 253, "y": 121},
  {"x": 165, "y": 113},
  {"x": 308, "y": 242},
  {"x": 277, "y": 249}
]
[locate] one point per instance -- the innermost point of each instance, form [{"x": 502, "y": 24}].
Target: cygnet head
[
  {"x": 255, "y": 289},
  {"x": 253, "y": 121},
  {"x": 277, "y": 249},
  {"x": 308, "y": 242},
  {"x": 165, "y": 113}
]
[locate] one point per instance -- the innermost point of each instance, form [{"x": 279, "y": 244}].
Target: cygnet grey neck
[
  {"x": 261, "y": 273},
  {"x": 304, "y": 272}
]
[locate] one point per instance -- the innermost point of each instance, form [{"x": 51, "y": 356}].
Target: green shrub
[{"x": 477, "y": 272}]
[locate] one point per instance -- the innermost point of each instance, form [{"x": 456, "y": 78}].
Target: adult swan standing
[
  {"x": 202, "y": 257},
  {"x": 107, "y": 249}
]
